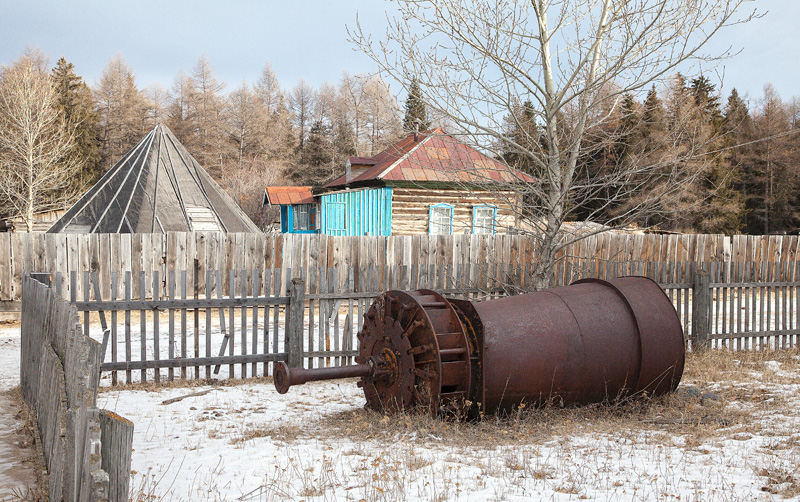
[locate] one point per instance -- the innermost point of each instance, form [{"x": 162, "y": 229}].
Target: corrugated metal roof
[
  {"x": 156, "y": 187},
  {"x": 286, "y": 195},
  {"x": 434, "y": 156}
]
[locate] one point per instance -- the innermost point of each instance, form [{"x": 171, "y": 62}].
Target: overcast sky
[{"x": 301, "y": 39}]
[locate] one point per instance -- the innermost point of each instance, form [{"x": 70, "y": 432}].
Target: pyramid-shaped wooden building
[{"x": 156, "y": 187}]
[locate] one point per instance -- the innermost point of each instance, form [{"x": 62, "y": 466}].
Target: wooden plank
[
  {"x": 243, "y": 275},
  {"x": 6, "y": 268},
  {"x": 209, "y": 284},
  {"x": 188, "y": 303},
  {"x": 143, "y": 324},
  {"x": 184, "y": 343},
  {"x": 312, "y": 286},
  {"x": 255, "y": 284},
  {"x": 114, "y": 277},
  {"x": 128, "y": 344},
  {"x": 277, "y": 288},
  {"x": 267, "y": 287},
  {"x": 171, "y": 317},
  {"x": 177, "y": 363},
  {"x": 231, "y": 322},
  {"x": 156, "y": 331}
]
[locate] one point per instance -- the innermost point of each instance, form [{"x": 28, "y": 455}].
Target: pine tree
[
  {"x": 706, "y": 99},
  {"x": 653, "y": 117},
  {"x": 416, "y": 117},
  {"x": 74, "y": 101}
]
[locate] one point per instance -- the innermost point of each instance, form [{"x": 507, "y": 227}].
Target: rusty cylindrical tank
[{"x": 587, "y": 342}]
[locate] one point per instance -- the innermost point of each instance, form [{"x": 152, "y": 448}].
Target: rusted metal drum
[{"x": 588, "y": 342}]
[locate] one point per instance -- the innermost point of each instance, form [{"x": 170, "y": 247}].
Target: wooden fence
[
  {"x": 86, "y": 451},
  {"x": 200, "y": 252},
  {"x": 238, "y": 333}
]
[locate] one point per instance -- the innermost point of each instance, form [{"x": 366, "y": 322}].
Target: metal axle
[{"x": 285, "y": 376}]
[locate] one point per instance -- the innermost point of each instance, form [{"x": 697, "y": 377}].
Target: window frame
[
  {"x": 483, "y": 228},
  {"x": 431, "y": 210},
  {"x": 308, "y": 213},
  {"x": 335, "y": 212}
]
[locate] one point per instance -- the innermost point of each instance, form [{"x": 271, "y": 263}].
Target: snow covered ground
[
  {"x": 317, "y": 443},
  {"x": 244, "y": 441},
  {"x": 16, "y": 472}
]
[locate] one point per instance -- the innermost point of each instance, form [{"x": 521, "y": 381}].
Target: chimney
[
  {"x": 347, "y": 174},
  {"x": 416, "y": 130}
]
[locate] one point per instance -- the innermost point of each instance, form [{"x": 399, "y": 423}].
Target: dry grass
[
  {"x": 722, "y": 365},
  {"x": 635, "y": 449},
  {"x": 736, "y": 378}
]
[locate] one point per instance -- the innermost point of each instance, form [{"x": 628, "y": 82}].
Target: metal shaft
[{"x": 285, "y": 377}]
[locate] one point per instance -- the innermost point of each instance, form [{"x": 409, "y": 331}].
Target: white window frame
[
  {"x": 440, "y": 219},
  {"x": 479, "y": 222}
]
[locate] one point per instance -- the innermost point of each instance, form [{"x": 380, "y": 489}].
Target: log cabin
[{"x": 426, "y": 183}]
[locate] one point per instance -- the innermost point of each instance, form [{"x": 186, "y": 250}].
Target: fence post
[
  {"x": 294, "y": 325},
  {"x": 701, "y": 308}
]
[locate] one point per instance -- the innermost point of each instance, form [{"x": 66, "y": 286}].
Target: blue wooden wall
[{"x": 358, "y": 212}]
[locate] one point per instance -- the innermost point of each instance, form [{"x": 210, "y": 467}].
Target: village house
[{"x": 426, "y": 183}]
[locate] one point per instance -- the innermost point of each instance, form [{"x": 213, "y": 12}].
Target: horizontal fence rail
[{"x": 238, "y": 327}]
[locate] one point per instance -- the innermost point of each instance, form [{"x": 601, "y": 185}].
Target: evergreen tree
[
  {"x": 706, "y": 99},
  {"x": 523, "y": 138},
  {"x": 771, "y": 178},
  {"x": 318, "y": 146},
  {"x": 74, "y": 102},
  {"x": 416, "y": 117},
  {"x": 653, "y": 119}
]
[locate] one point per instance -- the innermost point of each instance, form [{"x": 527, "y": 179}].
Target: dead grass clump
[
  {"x": 718, "y": 365},
  {"x": 781, "y": 481},
  {"x": 280, "y": 433},
  {"x": 537, "y": 425}
]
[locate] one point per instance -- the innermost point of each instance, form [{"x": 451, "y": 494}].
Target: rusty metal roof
[
  {"x": 433, "y": 157},
  {"x": 287, "y": 195}
]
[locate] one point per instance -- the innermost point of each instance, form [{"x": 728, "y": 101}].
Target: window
[
  {"x": 335, "y": 216},
  {"x": 483, "y": 219},
  {"x": 303, "y": 216},
  {"x": 202, "y": 219},
  {"x": 441, "y": 219}
]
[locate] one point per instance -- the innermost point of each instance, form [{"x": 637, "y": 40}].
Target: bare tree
[
  {"x": 207, "y": 109},
  {"x": 573, "y": 60},
  {"x": 121, "y": 108},
  {"x": 301, "y": 103},
  {"x": 275, "y": 139},
  {"x": 353, "y": 95},
  {"x": 382, "y": 113},
  {"x": 35, "y": 143},
  {"x": 244, "y": 111}
]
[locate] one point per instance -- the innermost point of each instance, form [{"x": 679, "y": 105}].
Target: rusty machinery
[{"x": 587, "y": 342}]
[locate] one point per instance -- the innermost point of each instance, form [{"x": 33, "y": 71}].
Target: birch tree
[
  {"x": 36, "y": 167},
  {"x": 574, "y": 60}
]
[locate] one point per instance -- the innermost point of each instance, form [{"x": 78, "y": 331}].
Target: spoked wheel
[{"x": 419, "y": 344}]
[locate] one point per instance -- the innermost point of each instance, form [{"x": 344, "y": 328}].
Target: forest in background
[{"x": 261, "y": 133}]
